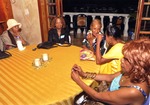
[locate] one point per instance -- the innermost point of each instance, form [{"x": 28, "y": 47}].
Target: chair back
[
  {"x": 81, "y": 20},
  {"x": 68, "y": 21}
]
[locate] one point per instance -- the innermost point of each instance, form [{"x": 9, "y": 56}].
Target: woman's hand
[
  {"x": 75, "y": 75},
  {"x": 90, "y": 38},
  {"x": 79, "y": 70},
  {"x": 76, "y": 72},
  {"x": 99, "y": 39}
]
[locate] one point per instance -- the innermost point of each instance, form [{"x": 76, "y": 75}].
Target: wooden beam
[
  {"x": 144, "y": 32},
  {"x": 145, "y": 18},
  {"x": 147, "y": 3}
]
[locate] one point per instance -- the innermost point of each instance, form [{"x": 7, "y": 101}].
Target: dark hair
[
  {"x": 138, "y": 54},
  {"x": 113, "y": 31},
  {"x": 53, "y": 23}
]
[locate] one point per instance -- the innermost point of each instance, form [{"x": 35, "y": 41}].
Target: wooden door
[
  {"x": 5, "y": 13},
  {"x": 48, "y": 9}
]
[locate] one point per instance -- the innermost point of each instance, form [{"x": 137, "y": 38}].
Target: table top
[{"x": 23, "y": 84}]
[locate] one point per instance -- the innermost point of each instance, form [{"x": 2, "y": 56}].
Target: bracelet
[{"x": 89, "y": 75}]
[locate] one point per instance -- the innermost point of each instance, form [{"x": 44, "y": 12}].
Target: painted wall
[{"x": 26, "y": 12}]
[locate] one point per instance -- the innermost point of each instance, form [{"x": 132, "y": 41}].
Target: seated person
[
  {"x": 90, "y": 39},
  {"x": 12, "y": 34},
  {"x": 131, "y": 87},
  {"x": 120, "y": 23},
  {"x": 58, "y": 32},
  {"x": 110, "y": 61}
]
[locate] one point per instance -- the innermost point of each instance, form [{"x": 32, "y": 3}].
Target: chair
[
  {"x": 79, "y": 21},
  {"x": 106, "y": 22},
  {"x": 98, "y": 17},
  {"x": 89, "y": 21},
  {"x": 68, "y": 22},
  {"x": 120, "y": 23}
]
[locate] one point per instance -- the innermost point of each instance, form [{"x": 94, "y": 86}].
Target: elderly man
[{"x": 12, "y": 34}]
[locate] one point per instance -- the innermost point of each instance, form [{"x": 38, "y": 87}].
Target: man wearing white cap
[{"x": 12, "y": 34}]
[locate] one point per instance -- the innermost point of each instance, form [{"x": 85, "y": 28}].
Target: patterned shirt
[{"x": 102, "y": 44}]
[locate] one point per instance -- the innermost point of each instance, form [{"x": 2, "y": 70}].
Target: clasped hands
[
  {"x": 78, "y": 72},
  {"x": 90, "y": 38}
]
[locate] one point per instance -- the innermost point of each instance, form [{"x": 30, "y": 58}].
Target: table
[{"x": 22, "y": 84}]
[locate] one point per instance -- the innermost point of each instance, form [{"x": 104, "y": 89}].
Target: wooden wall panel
[{"x": 5, "y": 12}]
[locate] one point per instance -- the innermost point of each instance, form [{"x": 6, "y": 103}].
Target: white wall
[{"x": 26, "y": 12}]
